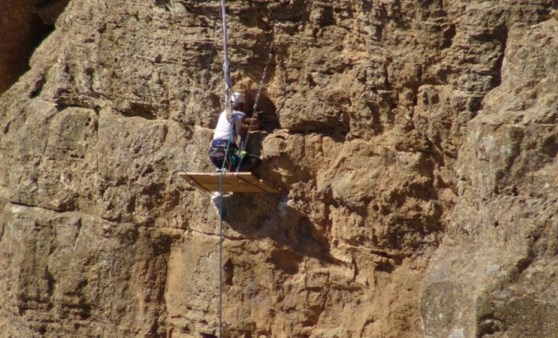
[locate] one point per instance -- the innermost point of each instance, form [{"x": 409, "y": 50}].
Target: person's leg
[
  {"x": 217, "y": 161},
  {"x": 217, "y": 156},
  {"x": 249, "y": 163}
]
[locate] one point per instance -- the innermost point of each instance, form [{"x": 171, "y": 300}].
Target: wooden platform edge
[
  {"x": 192, "y": 181},
  {"x": 209, "y": 182}
]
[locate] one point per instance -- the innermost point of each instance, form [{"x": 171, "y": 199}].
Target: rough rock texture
[
  {"x": 414, "y": 143},
  {"x": 495, "y": 274},
  {"x": 23, "y": 24}
]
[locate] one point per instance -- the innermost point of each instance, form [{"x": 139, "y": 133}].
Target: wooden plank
[{"x": 232, "y": 182}]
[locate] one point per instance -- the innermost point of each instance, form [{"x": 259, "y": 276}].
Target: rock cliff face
[
  {"x": 23, "y": 24},
  {"x": 414, "y": 144}
]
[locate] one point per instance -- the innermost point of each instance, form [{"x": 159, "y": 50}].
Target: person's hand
[{"x": 251, "y": 123}]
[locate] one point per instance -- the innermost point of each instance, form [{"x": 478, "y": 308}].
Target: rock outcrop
[
  {"x": 414, "y": 144},
  {"x": 23, "y": 24},
  {"x": 494, "y": 274}
]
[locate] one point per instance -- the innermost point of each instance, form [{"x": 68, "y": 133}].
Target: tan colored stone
[{"x": 413, "y": 143}]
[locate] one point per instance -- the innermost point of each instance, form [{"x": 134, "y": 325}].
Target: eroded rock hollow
[{"x": 414, "y": 143}]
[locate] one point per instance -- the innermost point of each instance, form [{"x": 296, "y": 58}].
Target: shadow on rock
[{"x": 269, "y": 216}]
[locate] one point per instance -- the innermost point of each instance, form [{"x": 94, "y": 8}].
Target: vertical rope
[
  {"x": 256, "y": 101},
  {"x": 226, "y": 60},
  {"x": 228, "y": 107},
  {"x": 221, "y": 251}
]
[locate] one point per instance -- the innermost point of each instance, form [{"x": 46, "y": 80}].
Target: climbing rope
[
  {"x": 256, "y": 102},
  {"x": 228, "y": 107},
  {"x": 226, "y": 60}
]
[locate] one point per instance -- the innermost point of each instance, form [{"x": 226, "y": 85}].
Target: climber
[{"x": 232, "y": 133}]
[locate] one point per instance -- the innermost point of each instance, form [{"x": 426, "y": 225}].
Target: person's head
[{"x": 237, "y": 100}]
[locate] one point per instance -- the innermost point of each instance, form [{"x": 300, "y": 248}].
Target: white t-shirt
[{"x": 224, "y": 128}]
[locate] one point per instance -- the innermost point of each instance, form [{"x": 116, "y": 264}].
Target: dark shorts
[{"x": 218, "y": 154}]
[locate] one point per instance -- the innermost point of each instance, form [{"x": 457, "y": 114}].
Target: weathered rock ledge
[{"x": 415, "y": 143}]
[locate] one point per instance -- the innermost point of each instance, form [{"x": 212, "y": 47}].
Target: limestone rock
[
  {"x": 493, "y": 276},
  {"x": 23, "y": 24},
  {"x": 414, "y": 144}
]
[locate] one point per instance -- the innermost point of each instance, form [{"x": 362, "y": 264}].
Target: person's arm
[{"x": 238, "y": 128}]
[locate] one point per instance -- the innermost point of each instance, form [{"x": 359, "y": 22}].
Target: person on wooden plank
[{"x": 231, "y": 131}]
